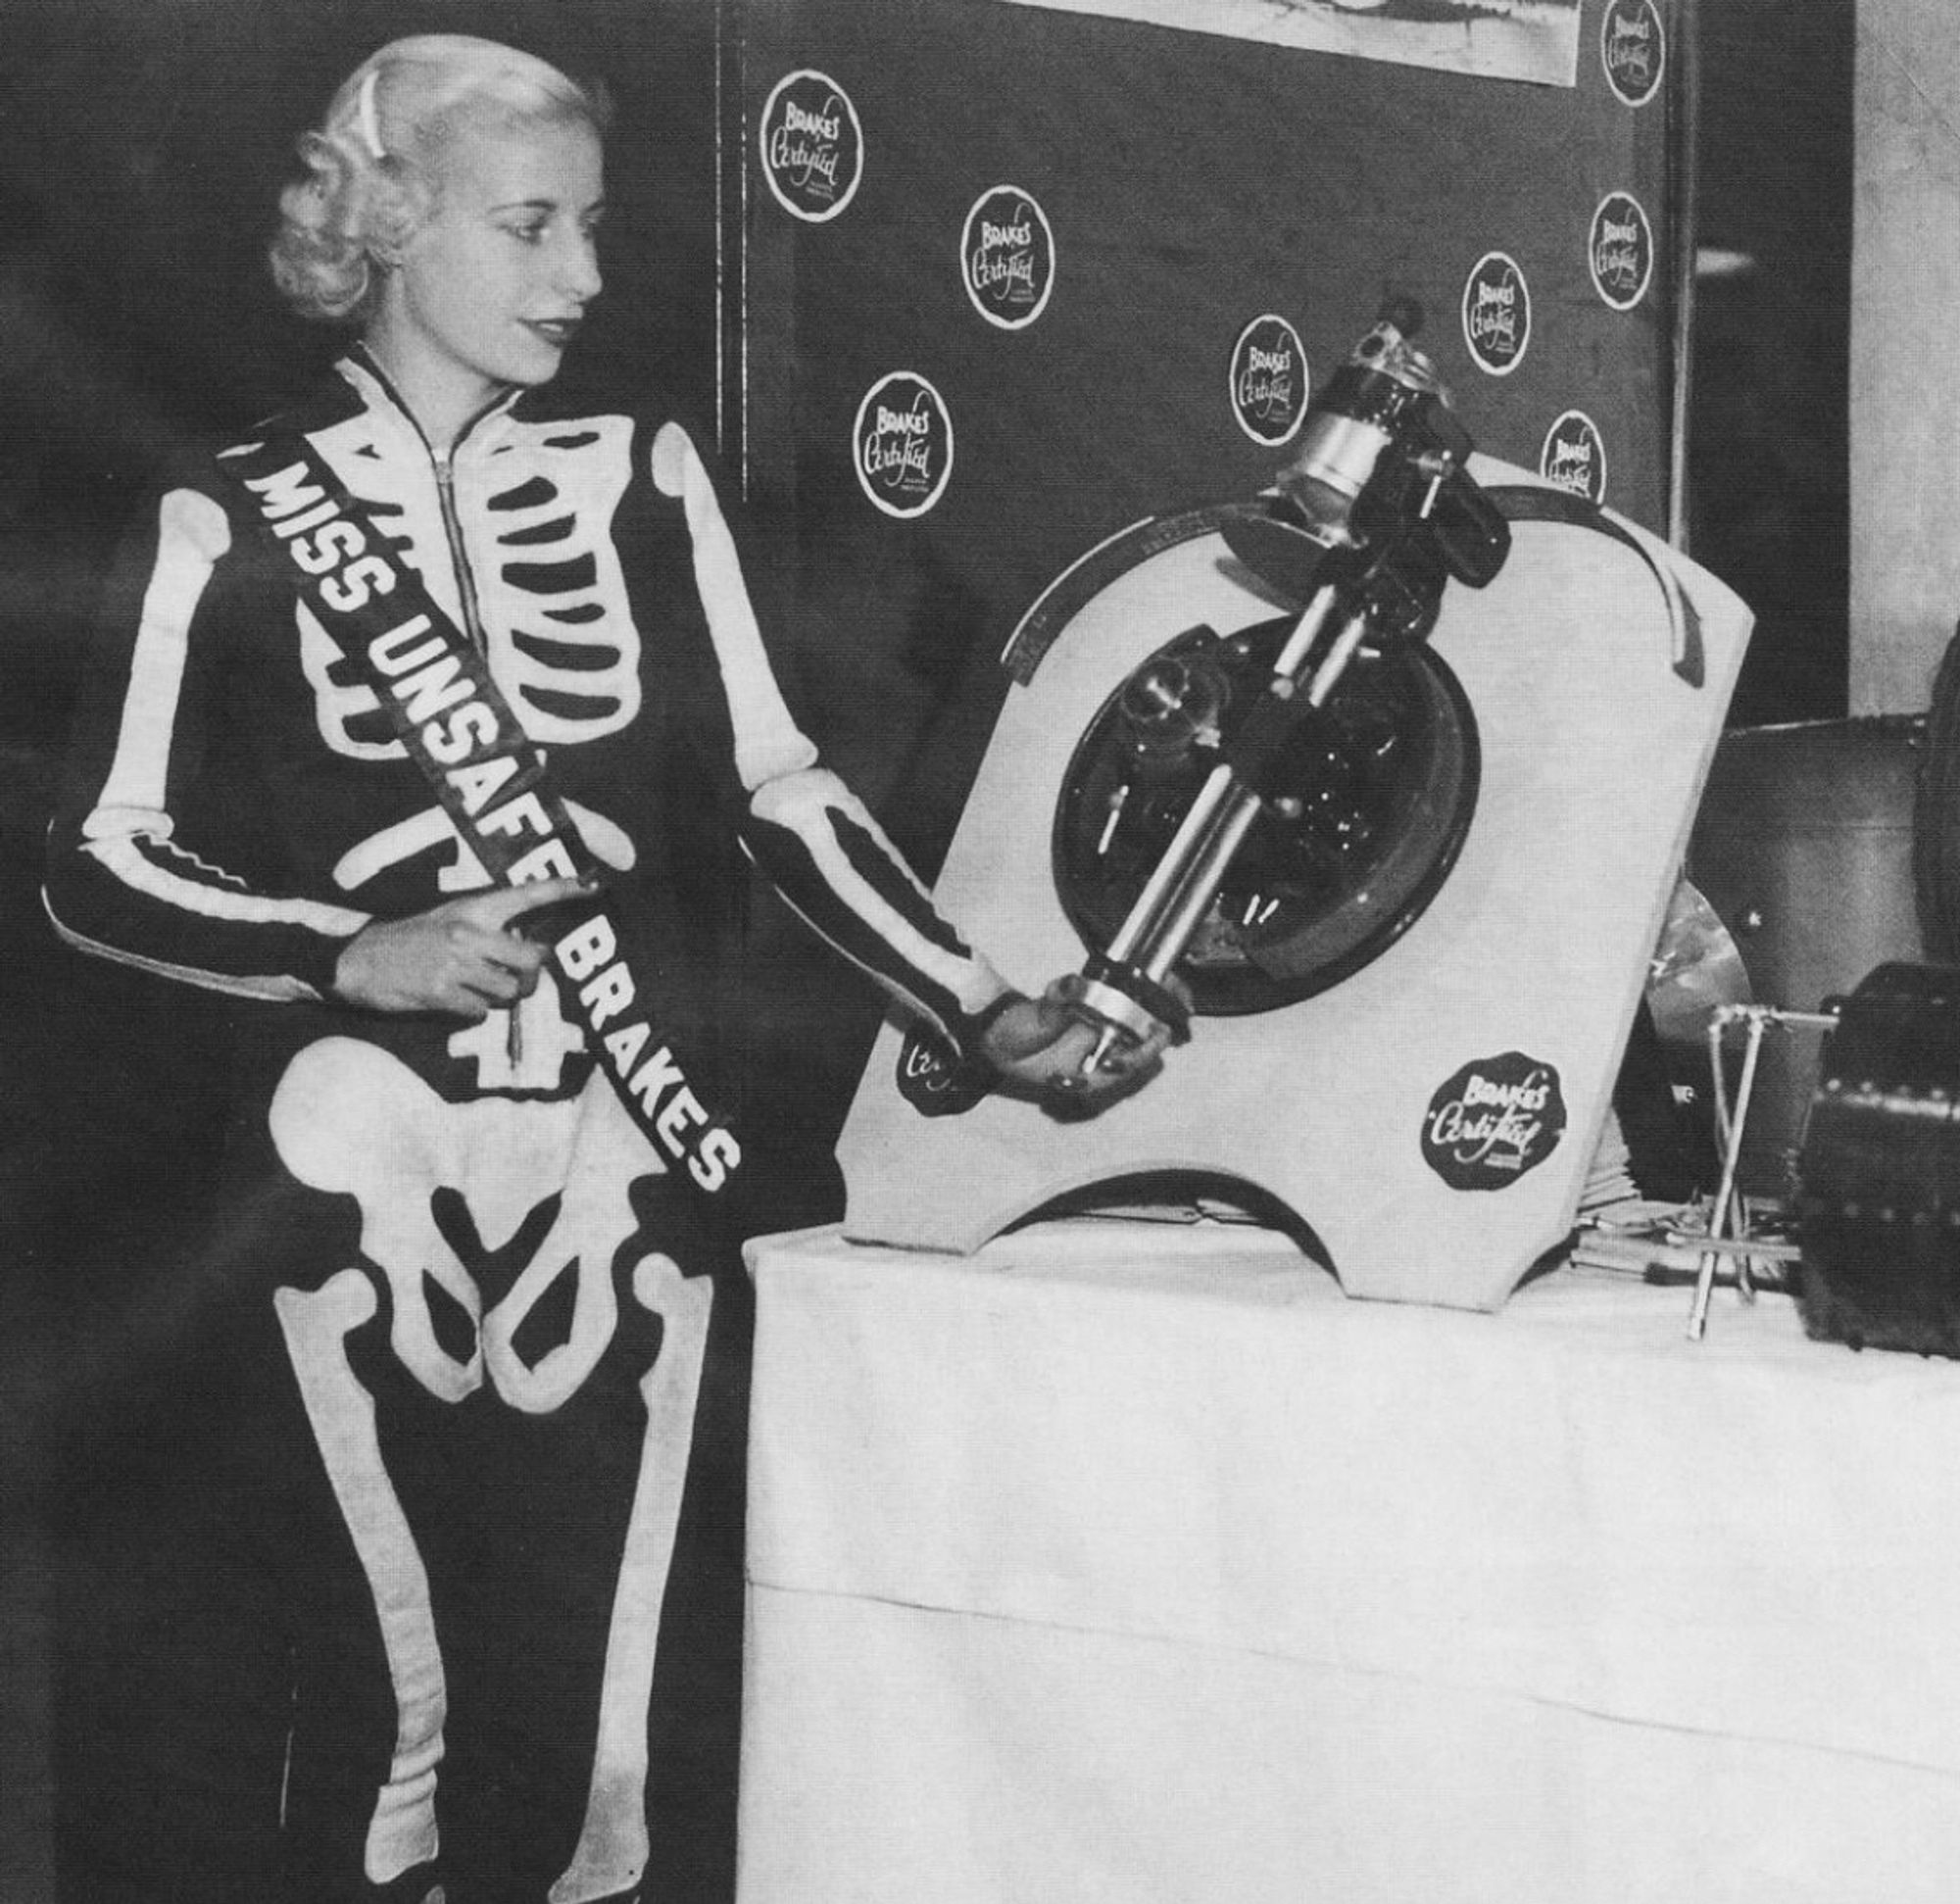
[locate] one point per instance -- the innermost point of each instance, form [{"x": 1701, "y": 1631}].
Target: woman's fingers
[
  {"x": 467, "y": 956},
  {"x": 505, "y": 906},
  {"x": 1051, "y": 1047}
]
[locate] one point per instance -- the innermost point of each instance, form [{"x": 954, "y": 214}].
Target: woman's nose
[{"x": 578, "y": 268}]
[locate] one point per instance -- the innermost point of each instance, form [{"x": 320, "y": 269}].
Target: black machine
[
  {"x": 1879, "y": 1173},
  {"x": 1261, "y": 814}
]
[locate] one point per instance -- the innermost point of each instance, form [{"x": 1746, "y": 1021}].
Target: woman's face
[{"x": 491, "y": 287}]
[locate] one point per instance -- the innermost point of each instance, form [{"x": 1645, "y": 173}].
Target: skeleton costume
[{"x": 425, "y": 1457}]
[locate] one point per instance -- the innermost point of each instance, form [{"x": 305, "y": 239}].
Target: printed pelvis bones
[{"x": 349, "y": 1117}]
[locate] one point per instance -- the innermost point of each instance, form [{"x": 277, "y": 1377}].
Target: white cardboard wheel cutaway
[{"x": 1433, "y": 1119}]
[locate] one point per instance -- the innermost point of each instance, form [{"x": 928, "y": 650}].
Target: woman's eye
[{"x": 528, "y": 235}]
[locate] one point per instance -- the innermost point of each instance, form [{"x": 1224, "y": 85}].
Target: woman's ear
[{"x": 398, "y": 215}]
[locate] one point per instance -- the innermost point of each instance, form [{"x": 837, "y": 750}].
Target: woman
[{"x": 416, "y": 1478}]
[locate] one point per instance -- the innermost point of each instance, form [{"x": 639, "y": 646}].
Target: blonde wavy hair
[{"x": 373, "y": 164}]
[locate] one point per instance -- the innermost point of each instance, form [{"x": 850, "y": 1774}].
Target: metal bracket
[{"x": 1729, "y": 1218}]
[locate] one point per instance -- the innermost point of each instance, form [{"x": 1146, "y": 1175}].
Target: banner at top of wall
[{"x": 1493, "y": 39}]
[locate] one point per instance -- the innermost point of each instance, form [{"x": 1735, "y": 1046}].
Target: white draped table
[{"x": 1131, "y": 1561}]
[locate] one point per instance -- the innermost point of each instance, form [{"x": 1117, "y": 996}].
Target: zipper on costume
[
  {"x": 442, "y": 461},
  {"x": 472, "y": 628},
  {"x": 452, "y": 529}
]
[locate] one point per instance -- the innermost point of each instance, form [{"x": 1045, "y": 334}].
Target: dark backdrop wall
[
  {"x": 1192, "y": 183},
  {"x": 1769, "y": 462}
]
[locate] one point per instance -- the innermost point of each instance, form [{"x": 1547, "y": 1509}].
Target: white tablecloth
[{"x": 1132, "y": 1561}]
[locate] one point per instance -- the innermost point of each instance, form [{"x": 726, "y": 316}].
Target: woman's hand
[
  {"x": 465, "y": 957},
  {"x": 1041, "y": 1048}
]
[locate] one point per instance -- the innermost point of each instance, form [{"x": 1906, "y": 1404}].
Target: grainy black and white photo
[{"x": 964, "y": 951}]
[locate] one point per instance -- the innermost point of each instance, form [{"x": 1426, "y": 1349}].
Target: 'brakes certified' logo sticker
[
  {"x": 813, "y": 146},
  {"x": 1632, "y": 49},
  {"x": 1574, "y": 455},
  {"x": 1269, "y": 381},
  {"x": 1496, "y": 313},
  {"x": 1007, "y": 257},
  {"x": 932, "y": 1085},
  {"x": 1496, "y": 1119},
  {"x": 902, "y": 444},
  {"x": 1621, "y": 251}
]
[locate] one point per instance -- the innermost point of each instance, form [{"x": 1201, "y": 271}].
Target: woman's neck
[{"x": 440, "y": 394}]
